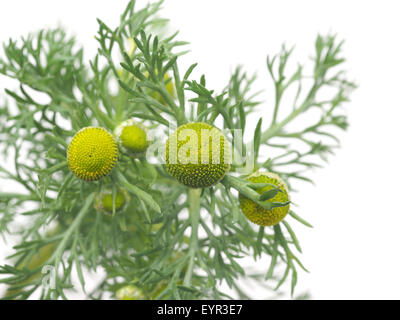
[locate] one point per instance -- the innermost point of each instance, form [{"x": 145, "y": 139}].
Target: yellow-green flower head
[
  {"x": 198, "y": 155},
  {"x": 130, "y": 292},
  {"x": 92, "y": 153},
  {"x": 104, "y": 201},
  {"x": 257, "y": 214},
  {"x": 132, "y": 137}
]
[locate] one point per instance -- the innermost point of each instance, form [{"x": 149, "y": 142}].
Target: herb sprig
[{"x": 171, "y": 242}]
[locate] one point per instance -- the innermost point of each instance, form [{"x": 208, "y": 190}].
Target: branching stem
[
  {"x": 274, "y": 129},
  {"x": 57, "y": 255},
  {"x": 194, "y": 213}
]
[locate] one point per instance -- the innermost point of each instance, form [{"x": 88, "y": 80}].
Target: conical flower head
[
  {"x": 198, "y": 155},
  {"x": 104, "y": 201},
  {"x": 259, "y": 215},
  {"x": 132, "y": 137},
  {"x": 92, "y": 153}
]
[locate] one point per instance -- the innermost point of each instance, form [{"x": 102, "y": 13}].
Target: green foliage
[{"x": 152, "y": 244}]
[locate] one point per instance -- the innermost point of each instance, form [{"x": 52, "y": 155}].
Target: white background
[{"x": 353, "y": 250}]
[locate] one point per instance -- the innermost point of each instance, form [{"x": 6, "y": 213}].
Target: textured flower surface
[
  {"x": 92, "y": 153},
  {"x": 132, "y": 137},
  {"x": 257, "y": 214},
  {"x": 197, "y": 155}
]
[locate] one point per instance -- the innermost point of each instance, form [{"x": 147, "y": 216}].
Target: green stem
[
  {"x": 56, "y": 167},
  {"x": 194, "y": 215},
  {"x": 275, "y": 128},
  {"x": 180, "y": 117},
  {"x": 56, "y": 257},
  {"x": 278, "y": 96},
  {"x": 244, "y": 189}
]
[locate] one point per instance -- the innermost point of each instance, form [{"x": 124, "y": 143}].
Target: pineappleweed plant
[{"x": 159, "y": 230}]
